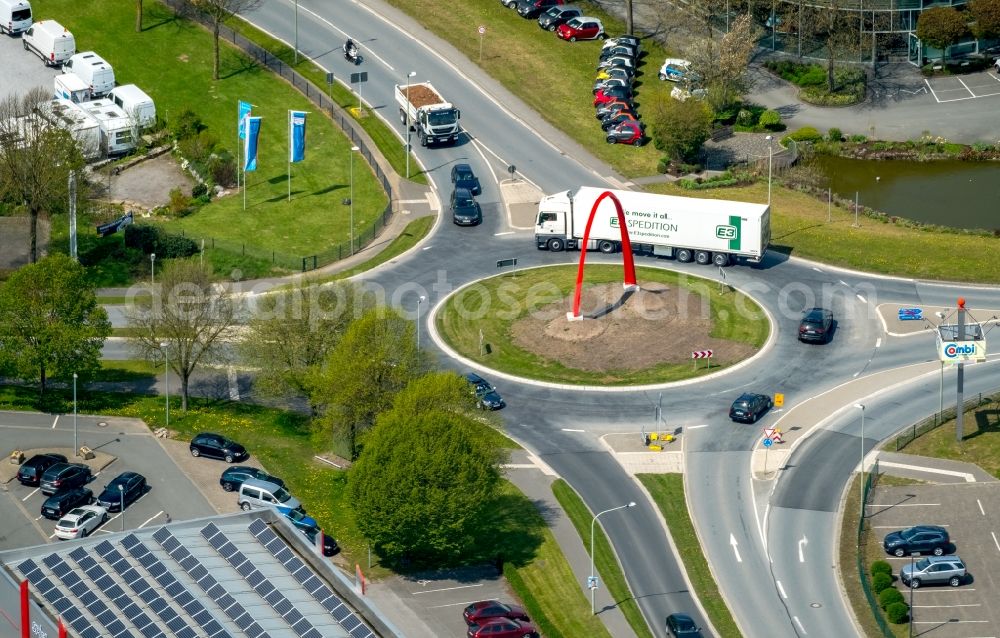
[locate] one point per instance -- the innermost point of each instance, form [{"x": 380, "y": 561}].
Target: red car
[
  {"x": 626, "y": 133},
  {"x": 611, "y": 93},
  {"x": 489, "y": 609},
  {"x": 502, "y": 628},
  {"x": 581, "y": 28}
]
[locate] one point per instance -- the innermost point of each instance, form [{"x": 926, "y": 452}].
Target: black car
[
  {"x": 465, "y": 209},
  {"x": 925, "y": 539},
  {"x": 463, "y": 177},
  {"x": 619, "y": 49},
  {"x": 532, "y": 8},
  {"x": 30, "y": 472},
  {"x": 234, "y": 476},
  {"x": 551, "y": 19},
  {"x": 65, "y": 476},
  {"x": 816, "y": 325},
  {"x": 610, "y": 108},
  {"x": 127, "y": 485},
  {"x": 487, "y": 396},
  {"x": 682, "y": 626},
  {"x": 58, "y": 504},
  {"x": 618, "y": 92},
  {"x": 606, "y": 83},
  {"x": 217, "y": 446},
  {"x": 330, "y": 546},
  {"x": 749, "y": 407},
  {"x": 616, "y": 119}
]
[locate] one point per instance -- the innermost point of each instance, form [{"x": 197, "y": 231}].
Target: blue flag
[
  {"x": 244, "y": 111},
  {"x": 251, "y": 130},
  {"x": 297, "y": 135}
]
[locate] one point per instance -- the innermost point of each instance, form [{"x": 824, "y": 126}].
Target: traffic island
[{"x": 516, "y": 324}]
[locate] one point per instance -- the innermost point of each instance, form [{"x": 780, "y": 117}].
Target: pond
[{"x": 946, "y": 192}]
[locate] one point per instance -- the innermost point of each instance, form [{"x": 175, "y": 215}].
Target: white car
[
  {"x": 675, "y": 69},
  {"x": 81, "y": 522}
]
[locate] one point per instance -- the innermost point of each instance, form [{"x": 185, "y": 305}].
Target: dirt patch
[
  {"x": 653, "y": 325},
  {"x": 148, "y": 184},
  {"x": 422, "y": 96}
]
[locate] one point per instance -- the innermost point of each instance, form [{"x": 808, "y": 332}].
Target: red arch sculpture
[{"x": 629, "y": 265}]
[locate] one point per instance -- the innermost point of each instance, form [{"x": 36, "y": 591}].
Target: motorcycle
[{"x": 351, "y": 54}]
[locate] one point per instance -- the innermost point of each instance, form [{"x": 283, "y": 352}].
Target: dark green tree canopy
[
  {"x": 986, "y": 14},
  {"x": 680, "y": 128},
  {"x": 942, "y": 27}
]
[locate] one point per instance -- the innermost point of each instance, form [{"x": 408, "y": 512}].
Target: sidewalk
[{"x": 932, "y": 470}]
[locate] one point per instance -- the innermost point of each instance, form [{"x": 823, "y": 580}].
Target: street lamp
[
  {"x": 354, "y": 149},
  {"x": 861, "y": 406},
  {"x": 912, "y": 556},
  {"x": 408, "y": 76},
  {"x": 296, "y": 32},
  {"x": 152, "y": 261},
  {"x": 593, "y": 577},
  {"x": 420, "y": 300},
  {"x": 166, "y": 376},
  {"x": 769, "y": 156},
  {"x": 121, "y": 492},
  {"x": 76, "y": 444}
]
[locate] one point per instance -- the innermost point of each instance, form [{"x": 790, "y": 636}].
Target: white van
[
  {"x": 69, "y": 87},
  {"x": 15, "y": 16},
  {"x": 92, "y": 69},
  {"x": 117, "y": 131},
  {"x": 135, "y": 102},
  {"x": 256, "y": 494},
  {"x": 50, "y": 41}
]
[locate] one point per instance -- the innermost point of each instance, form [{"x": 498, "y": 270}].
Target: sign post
[
  {"x": 359, "y": 79},
  {"x": 512, "y": 262},
  {"x": 482, "y": 34},
  {"x": 767, "y": 446},
  {"x": 702, "y": 354}
]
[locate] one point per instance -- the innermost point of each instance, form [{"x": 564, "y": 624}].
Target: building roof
[{"x": 241, "y": 575}]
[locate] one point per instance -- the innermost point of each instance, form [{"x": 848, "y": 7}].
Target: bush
[
  {"x": 180, "y": 204},
  {"x": 222, "y": 168},
  {"x": 188, "y": 124},
  {"x": 804, "y": 134},
  {"x": 858, "y": 139},
  {"x": 198, "y": 148},
  {"x": 889, "y": 596},
  {"x": 142, "y": 236},
  {"x": 745, "y": 118},
  {"x": 771, "y": 120},
  {"x": 834, "y": 135},
  {"x": 880, "y": 567},
  {"x": 199, "y": 190},
  {"x": 881, "y": 582},
  {"x": 897, "y": 613},
  {"x": 151, "y": 239},
  {"x": 175, "y": 246}
]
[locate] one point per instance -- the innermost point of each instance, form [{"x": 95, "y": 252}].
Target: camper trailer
[
  {"x": 135, "y": 103},
  {"x": 50, "y": 41},
  {"x": 15, "y": 16},
  {"x": 69, "y": 87},
  {"x": 82, "y": 126},
  {"x": 92, "y": 69},
  {"x": 117, "y": 130}
]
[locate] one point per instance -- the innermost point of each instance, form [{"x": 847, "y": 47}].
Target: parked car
[
  {"x": 64, "y": 476},
  {"x": 629, "y": 40},
  {"x": 625, "y": 133},
  {"x": 559, "y": 14},
  {"x": 330, "y": 547},
  {"x": 488, "y": 609},
  {"x": 61, "y": 502},
  {"x": 610, "y": 82},
  {"x": 217, "y": 446},
  {"x": 487, "y": 396},
  {"x": 463, "y": 177},
  {"x": 298, "y": 517},
  {"x": 465, "y": 210},
  {"x": 613, "y": 93},
  {"x": 81, "y": 522},
  {"x": 502, "y": 628},
  {"x": 234, "y": 476},
  {"x": 749, "y": 407},
  {"x": 614, "y": 106},
  {"x": 531, "y": 8},
  {"x": 30, "y": 472},
  {"x": 925, "y": 539},
  {"x": 620, "y": 117},
  {"x": 581, "y": 28},
  {"x": 617, "y": 60},
  {"x": 510, "y": 4},
  {"x": 816, "y": 325},
  {"x": 675, "y": 70},
  {"x": 682, "y": 626},
  {"x": 996, "y": 65},
  {"x": 122, "y": 491},
  {"x": 618, "y": 49},
  {"x": 933, "y": 570},
  {"x": 615, "y": 72}
]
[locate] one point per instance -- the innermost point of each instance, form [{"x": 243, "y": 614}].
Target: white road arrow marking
[
  {"x": 802, "y": 544},
  {"x": 732, "y": 541}
]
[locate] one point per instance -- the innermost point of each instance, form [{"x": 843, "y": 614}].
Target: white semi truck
[
  {"x": 423, "y": 109},
  {"x": 707, "y": 231}
]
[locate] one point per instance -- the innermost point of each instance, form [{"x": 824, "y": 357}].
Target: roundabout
[{"x": 516, "y": 325}]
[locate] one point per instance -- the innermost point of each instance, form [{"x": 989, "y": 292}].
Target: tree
[
  {"x": 187, "y": 320},
  {"x": 837, "y": 30},
  {"x": 421, "y": 482},
  {"x": 374, "y": 360},
  {"x": 436, "y": 391},
  {"x": 986, "y": 14},
  {"x": 722, "y": 66},
  {"x": 50, "y": 322},
  {"x": 294, "y": 331},
  {"x": 217, "y": 12},
  {"x": 941, "y": 27},
  {"x": 680, "y": 128},
  {"x": 36, "y": 158},
  {"x": 138, "y": 16}
]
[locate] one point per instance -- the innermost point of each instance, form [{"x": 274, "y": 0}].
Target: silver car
[{"x": 934, "y": 570}]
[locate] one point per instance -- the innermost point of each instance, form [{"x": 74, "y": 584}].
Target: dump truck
[
  {"x": 706, "y": 231},
  {"x": 422, "y": 109}
]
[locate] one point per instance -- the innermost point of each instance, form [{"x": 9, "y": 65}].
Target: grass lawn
[
  {"x": 543, "y": 70},
  {"x": 605, "y": 560},
  {"x": 668, "y": 493},
  {"x": 493, "y": 305},
  {"x": 126, "y": 370},
  {"x": 980, "y": 439},
  {"x": 175, "y": 69},
  {"x": 799, "y": 228}
]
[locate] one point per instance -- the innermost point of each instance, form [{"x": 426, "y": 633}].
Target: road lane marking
[
  {"x": 969, "y": 478},
  {"x": 468, "y": 602},
  {"x": 899, "y": 504},
  {"x": 948, "y": 606},
  {"x": 431, "y": 591},
  {"x": 953, "y": 620},
  {"x": 861, "y": 299},
  {"x": 508, "y": 232},
  {"x": 781, "y": 589},
  {"x": 816, "y": 269},
  {"x": 30, "y": 494},
  {"x": 878, "y": 342},
  {"x": 799, "y": 623},
  {"x": 54, "y": 421},
  {"x": 980, "y": 503},
  {"x": 897, "y": 526},
  {"x": 572, "y": 430},
  {"x": 151, "y": 518},
  {"x": 995, "y": 542},
  {"x": 732, "y": 541},
  {"x": 971, "y": 92},
  {"x": 426, "y": 247},
  {"x": 518, "y": 466},
  {"x": 695, "y": 427},
  {"x": 843, "y": 283},
  {"x": 802, "y": 545}
]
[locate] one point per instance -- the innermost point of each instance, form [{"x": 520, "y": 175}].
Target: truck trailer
[
  {"x": 707, "y": 231},
  {"x": 423, "y": 110}
]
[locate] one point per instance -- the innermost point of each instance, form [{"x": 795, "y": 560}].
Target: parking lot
[
  {"x": 971, "y": 514},
  {"x": 22, "y": 70},
  {"x": 964, "y": 87}
]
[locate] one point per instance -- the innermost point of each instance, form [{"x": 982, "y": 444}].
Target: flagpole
[{"x": 289, "y": 158}]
